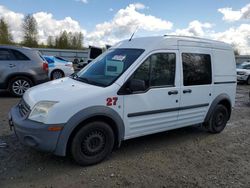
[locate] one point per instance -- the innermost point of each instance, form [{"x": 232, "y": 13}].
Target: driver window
[{"x": 157, "y": 70}]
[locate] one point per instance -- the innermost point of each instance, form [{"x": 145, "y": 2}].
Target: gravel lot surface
[{"x": 187, "y": 157}]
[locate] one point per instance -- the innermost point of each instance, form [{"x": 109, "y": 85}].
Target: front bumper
[{"x": 31, "y": 133}]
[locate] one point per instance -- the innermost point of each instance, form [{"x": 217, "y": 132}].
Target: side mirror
[{"x": 136, "y": 85}]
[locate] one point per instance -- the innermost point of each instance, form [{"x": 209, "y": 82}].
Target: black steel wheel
[
  {"x": 92, "y": 143},
  {"x": 218, "y": 119}
]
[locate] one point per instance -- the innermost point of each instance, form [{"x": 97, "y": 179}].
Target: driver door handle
[
  {"x": 12, "y": 65},
  {"x": 173, "y": 92}
]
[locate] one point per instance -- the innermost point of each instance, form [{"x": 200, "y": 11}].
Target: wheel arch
[
  {"x": 12, "y": 76},
  {"x": 76, "y": 122},
  {"x": 223, "y": 99}
]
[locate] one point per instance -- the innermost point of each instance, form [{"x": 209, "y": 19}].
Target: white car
[
  {"x": 243, "y": 72},
  {"x": 138, "y": 87},
  {"x": 58, "y": 67}
]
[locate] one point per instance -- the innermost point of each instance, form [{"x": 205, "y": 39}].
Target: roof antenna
[{"x": 134, "y": 33}]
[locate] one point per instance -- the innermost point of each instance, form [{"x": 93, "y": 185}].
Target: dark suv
[{"x": 21, "y": 68}]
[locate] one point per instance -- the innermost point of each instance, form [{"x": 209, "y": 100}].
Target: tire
[
  {"x": 248, "y": 80},
  {"x": 218, "y": 120},
  {"x": 18, "y": 85},
  {"x": 92, "y": 143},
  {"x": 56, "y": 74}
]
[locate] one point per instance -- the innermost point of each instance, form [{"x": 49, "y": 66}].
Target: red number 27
[{"x": 111, "y": 101}]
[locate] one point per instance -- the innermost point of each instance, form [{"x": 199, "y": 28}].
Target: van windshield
[{"x": 108, "y": 67}]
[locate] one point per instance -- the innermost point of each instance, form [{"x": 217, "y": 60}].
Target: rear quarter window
[
  {"x": 19, "y": 55},
  {"x": 197, "y": 69},
  {"x": 6, "y": 55}
]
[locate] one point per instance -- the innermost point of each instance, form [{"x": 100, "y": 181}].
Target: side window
[
  {"x": 158, "y": 70},
  {"x": 142, "y": 73},
  {"x": 50, "y": 61},
  {"x": 5, "y": 55},
  {"x": 19, "y": 56},
  {"x": 196, "y": 69},
  {"x": 162, "y": 69}
]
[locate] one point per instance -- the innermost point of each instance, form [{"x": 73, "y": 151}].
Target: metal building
[
  {"x": 70, "y": 55},
  {"x": 242, "y": 58}
]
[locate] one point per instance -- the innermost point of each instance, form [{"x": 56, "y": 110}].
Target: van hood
[{"x": 64, "y": 89}]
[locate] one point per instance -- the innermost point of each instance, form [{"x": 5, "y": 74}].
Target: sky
[{"x": 109, "y": 21}]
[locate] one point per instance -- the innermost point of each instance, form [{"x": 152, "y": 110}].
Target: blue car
[{"x": 58, "y": 67}]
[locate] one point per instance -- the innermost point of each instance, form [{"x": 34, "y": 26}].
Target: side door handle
[
  {"x": 187, "y": 91},
  {"x": 173, "y": 92},
  {"x": 12, "y": 65}
]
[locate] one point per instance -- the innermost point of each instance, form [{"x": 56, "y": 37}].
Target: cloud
[
  {"x": 237, "y": 36},
  {"x": 48, "y": 26},
  {"x": 231, "y": 15},
  {"x": 195, "y": 28},
  {"x": 14, "y": 21},
  {"x": 82, "y": 1},
  {"x": 124, "y": 23}
]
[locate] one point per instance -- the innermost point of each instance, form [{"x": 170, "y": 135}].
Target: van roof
[{"x": 171, "y": 42}]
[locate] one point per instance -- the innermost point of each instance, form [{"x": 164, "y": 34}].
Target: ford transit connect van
[{"x": 138, "y": 87}]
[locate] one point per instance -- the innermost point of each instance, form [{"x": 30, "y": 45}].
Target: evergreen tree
[
  {"x": 30, "y": 32},
  {"x": 5, "y": 35},
  {"x": 51, "y": 42}
]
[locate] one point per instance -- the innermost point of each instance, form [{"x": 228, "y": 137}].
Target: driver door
[{"x": 156, "y": 108}]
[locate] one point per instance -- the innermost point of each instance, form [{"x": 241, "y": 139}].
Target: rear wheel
[
  {"x": 92, "y": 143},
  {"x": 56, "y": 74},
  {"x": 218, "y": 120},
  {"x": 248, "y": 80},
  {"x": 18, "y": 85}
]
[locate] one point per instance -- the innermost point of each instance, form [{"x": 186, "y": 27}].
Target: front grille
[{"x": 24, "y": 108}]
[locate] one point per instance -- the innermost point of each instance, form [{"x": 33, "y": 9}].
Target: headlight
[{"x": 40, "y": 110}]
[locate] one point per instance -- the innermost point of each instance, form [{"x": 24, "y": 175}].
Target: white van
[{"x": 138, "y": 87}]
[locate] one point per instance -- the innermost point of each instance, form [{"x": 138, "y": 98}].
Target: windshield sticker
[{"x": 119, "y": 57}]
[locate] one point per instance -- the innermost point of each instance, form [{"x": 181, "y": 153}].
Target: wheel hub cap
[
  {"x": 20, "y": 86},
  {"x": 93, "y": 143}
]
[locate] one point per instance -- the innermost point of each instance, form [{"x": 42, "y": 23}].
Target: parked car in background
[
  {"x": 59, "y": 67},
  {"x": 243, "y": 72},
  {"x": 21, "y": 68},
  {"x": 94, "y": 52}
]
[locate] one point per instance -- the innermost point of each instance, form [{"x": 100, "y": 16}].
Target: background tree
[
  {"x": 5, "y": 35},
  {"x": 68, "y": 40},
  {"x": 30, "y": 32},
  {"x": 51, "y": 42}
]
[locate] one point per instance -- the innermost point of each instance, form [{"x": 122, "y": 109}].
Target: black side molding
[
  {"x": 166, "y": 110},
  {"x": 227, "y": 82}
]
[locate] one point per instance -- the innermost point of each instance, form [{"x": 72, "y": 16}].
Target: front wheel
[
  {"x": 92, "y": 143},
  {"x": 18, "y": 85},
  {"x": 218, "y": 120}
]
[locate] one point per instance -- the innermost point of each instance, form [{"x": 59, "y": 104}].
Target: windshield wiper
[
  {"x": 86, "y": 80},
  {"x": 76, "y": 77}
]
